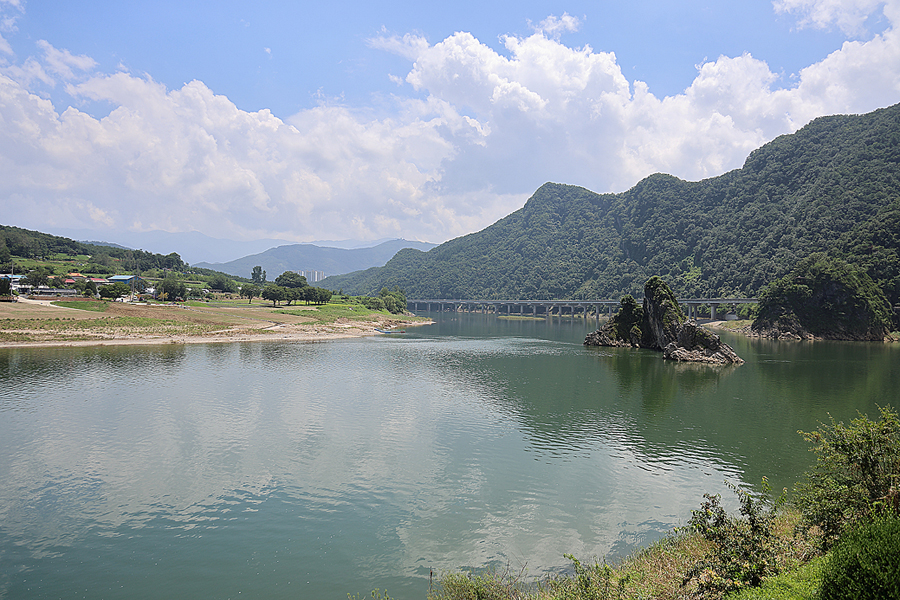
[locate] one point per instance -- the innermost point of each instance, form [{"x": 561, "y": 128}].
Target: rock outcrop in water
[
  {"x": 660, "y": 325},
  {"x": 824, "y": 298}
]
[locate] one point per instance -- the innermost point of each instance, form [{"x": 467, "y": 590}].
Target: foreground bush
[
  {"x": 744, "y": 549},
  {"x": 865, "y": 563},
  {"x": 855, "y": 476}
]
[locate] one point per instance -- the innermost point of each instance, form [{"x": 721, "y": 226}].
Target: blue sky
[{"x": 365, "y": 120}]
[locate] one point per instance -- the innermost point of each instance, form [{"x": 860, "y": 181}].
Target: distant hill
[
  {"x": 294, "y": 257},
  {"x": 103, "y": 258},
  {"x": 833, "y": 186},
  {"x": 192, "y": 246},
  {"x": 107, "y": 244}
]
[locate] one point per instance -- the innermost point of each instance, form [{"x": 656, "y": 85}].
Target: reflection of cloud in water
[
  {"x": 437, "y": 453},
  {"x": 577, "y": 509}
]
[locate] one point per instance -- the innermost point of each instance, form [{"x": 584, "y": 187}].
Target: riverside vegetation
[{"x": 835, "y": 538}]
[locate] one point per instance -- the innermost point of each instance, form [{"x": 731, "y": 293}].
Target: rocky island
[
  {"x": 661, "y": 325},
  {"x": 824, "y": 298}
]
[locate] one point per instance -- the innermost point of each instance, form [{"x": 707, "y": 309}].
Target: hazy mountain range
[
  {"x": 332, "y": 261},
  {"x": 193, "y": 246}
]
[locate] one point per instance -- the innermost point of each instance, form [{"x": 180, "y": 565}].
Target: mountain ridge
[
  {"x": 293, "y": 257},
  {"x": 832, "y": 186}
]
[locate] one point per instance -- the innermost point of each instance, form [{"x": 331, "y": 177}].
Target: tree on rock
[{"x": 661, "y": 325}]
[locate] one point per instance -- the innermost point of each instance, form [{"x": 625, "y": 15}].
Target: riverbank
[
  {"x": 743, "y": 328},
  {"x": 659, "y": 571},
  {"x": 44, "y": 323}
]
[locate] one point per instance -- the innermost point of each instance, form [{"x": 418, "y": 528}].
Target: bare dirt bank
[{"x": 40, "y": 324}]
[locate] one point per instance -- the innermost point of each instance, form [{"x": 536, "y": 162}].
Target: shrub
[
  {"x": 488, "y": 586},
  {"x": 591, "y": 582},
  {"x": 744, "y": 549},
  {"x": 865, "y": 563},
  {"x": 856, "y": 473},
  {"x": 371, "y": 303}
]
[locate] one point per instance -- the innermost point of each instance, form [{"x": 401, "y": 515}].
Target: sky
[{"x": 365, "y": 120}]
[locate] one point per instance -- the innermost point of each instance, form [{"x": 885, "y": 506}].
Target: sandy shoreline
[{"x": 57, "y": 326}]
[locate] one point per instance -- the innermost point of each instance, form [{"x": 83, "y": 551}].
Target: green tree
[
  {"x": 37, "y": 276},
  {"x": 323, "y": 296},
  {"x": 5, "y": 256},
  {"x": 90, "y": 288},
  {"x": 258, "y": 276},
  {"x": 5, "y": 286},
  {"x": 249, "y": 290},
  {"x": 290, "y": 279},
  {"x": 170, "y": 289},
  {"x": 274, "y": 293},
  {"x": 172, "y": 261},
  {"x": 115, "y": 290},
  {"x": 394, "y": 301},
  {"x": 222, "y": 283}
]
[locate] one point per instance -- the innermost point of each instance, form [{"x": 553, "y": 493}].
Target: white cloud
[
  {"x": 8, "y": 23},
  {"x": 554, "y": 26},
  {"x": 485, "y": 130},
  {"x": 848, "y": 15},
  {"x": 62, "y": 62},
  {"x": 409, "y": 46},
  {"x": 5, "y": 48}
]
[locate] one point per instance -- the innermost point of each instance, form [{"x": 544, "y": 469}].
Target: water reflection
[{"x": 365, "y": 463}]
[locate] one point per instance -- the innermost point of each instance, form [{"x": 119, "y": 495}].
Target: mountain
[
  {"x": 102, "y": 258},
  {"x": 294, "y": 257},
  {"x": 107, "y": 244},
  {"x": 833, "y": 186},
  {"x": 192, "y": 246},
  {"x": 352, "y": 244}
]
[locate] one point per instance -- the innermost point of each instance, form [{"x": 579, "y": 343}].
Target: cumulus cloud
[{"x": 482, "y": 130}]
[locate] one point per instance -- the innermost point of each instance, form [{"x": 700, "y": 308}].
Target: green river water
[{"x": 314, "y": 470}]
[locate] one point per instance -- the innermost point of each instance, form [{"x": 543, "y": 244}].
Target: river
[{"x": 314, "y": 470}]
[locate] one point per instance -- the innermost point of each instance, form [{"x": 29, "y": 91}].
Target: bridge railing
[{"x": 547, "y": 306}]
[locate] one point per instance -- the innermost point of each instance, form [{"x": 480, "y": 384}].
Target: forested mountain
[
  {"x": 833, "y": 186},
  {"x": 15, "y": 241},
  {"x": 294, "y": 257}
]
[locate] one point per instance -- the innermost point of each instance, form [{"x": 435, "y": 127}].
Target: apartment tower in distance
[{"x": 313, "y": 276}]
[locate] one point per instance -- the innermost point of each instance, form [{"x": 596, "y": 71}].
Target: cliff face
[
  {"x": 824, "y": 298},
  {"x": 660, "y": 325},
  {"x": 663, "y": 318}
]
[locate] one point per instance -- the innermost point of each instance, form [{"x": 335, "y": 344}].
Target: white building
[{"x": 312, "y": 276}]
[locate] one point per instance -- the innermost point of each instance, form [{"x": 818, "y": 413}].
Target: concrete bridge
[{"x": 584, "y": 308}]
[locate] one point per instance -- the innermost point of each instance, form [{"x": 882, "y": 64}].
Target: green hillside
[{"x": 833, "y": 186}]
